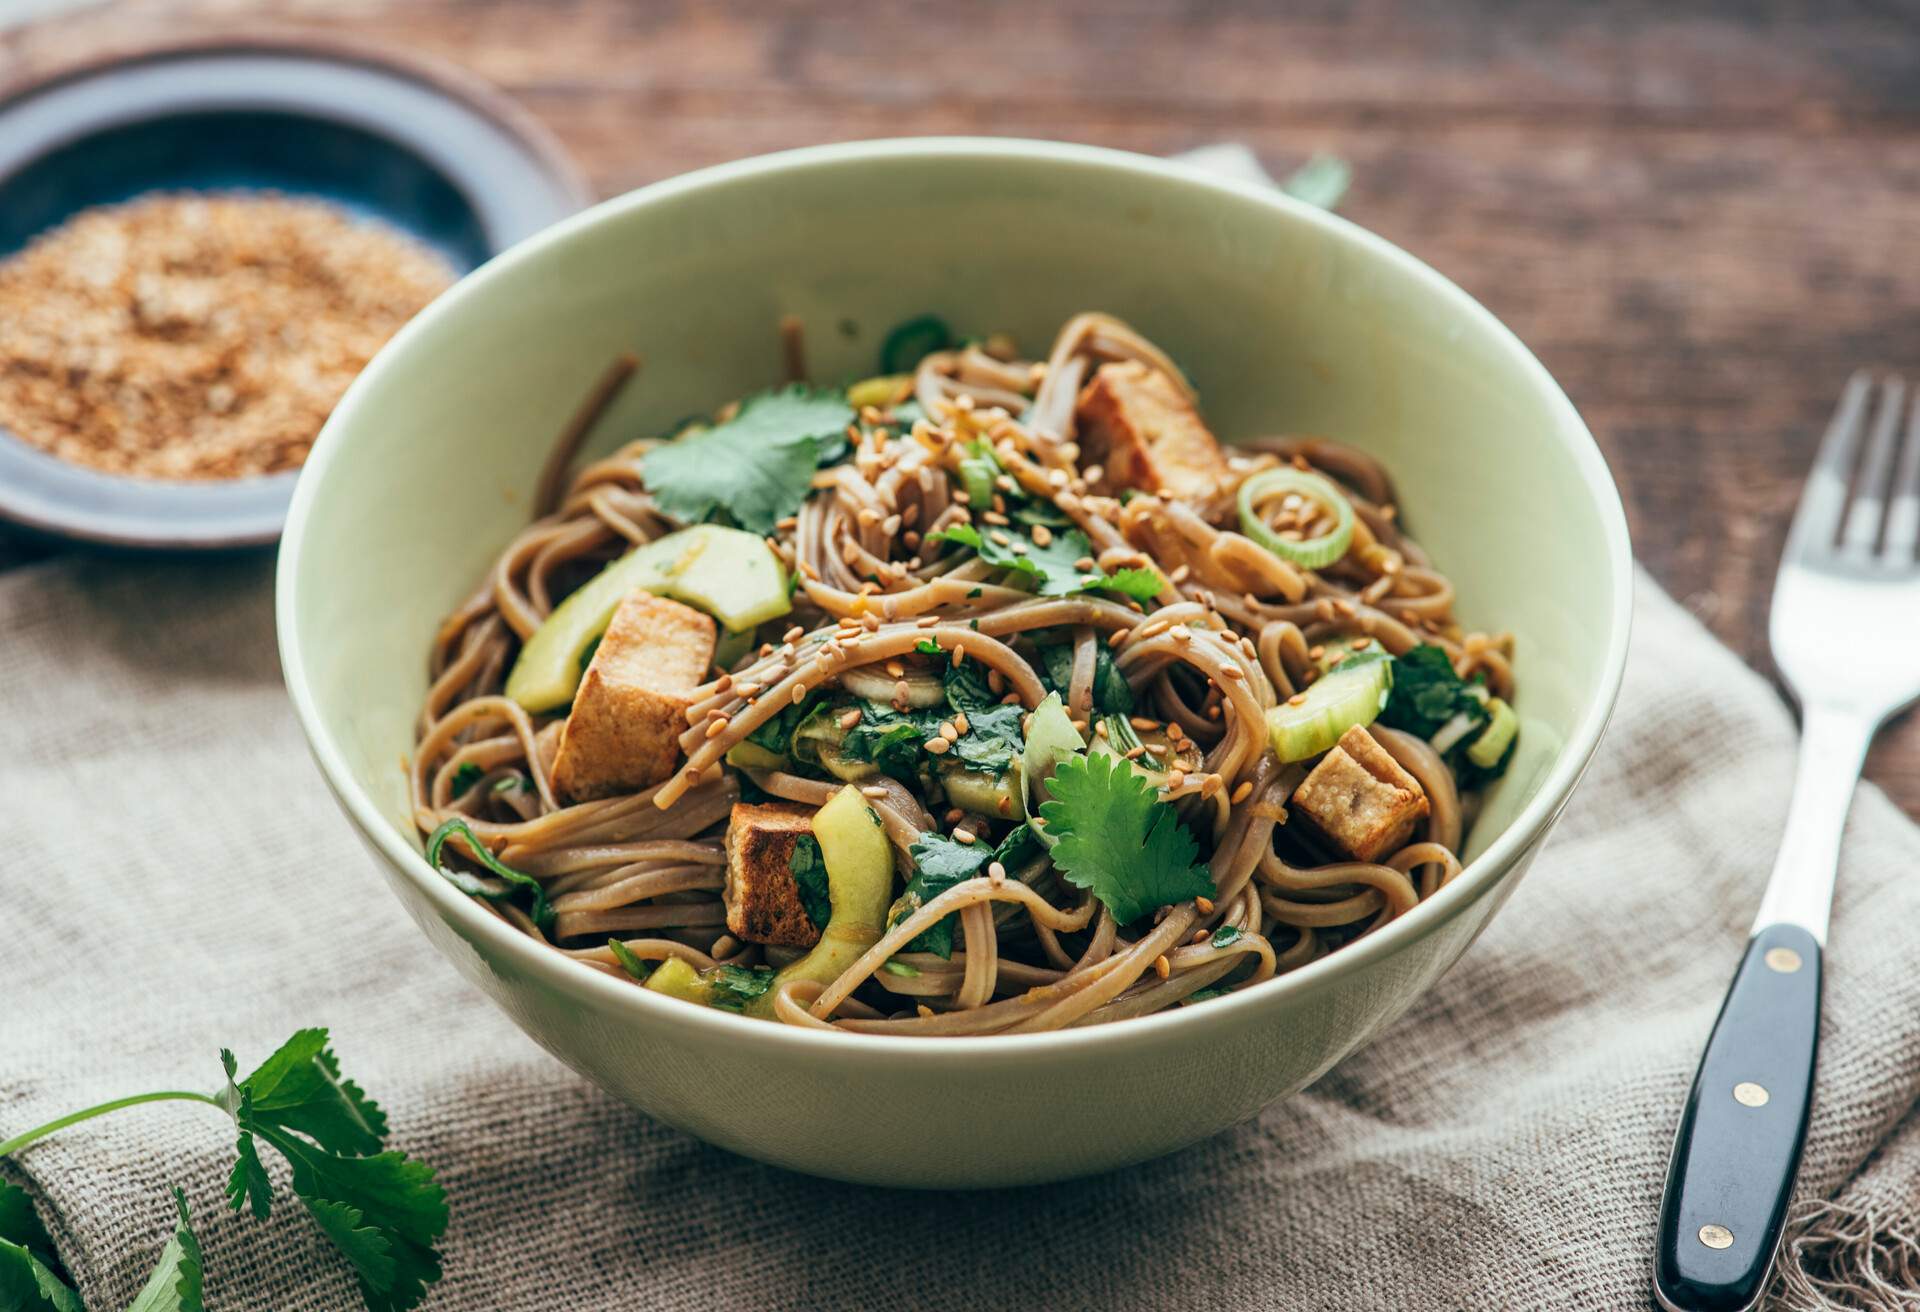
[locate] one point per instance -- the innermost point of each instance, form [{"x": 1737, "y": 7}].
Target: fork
[{"x": 1845, "y": 630}]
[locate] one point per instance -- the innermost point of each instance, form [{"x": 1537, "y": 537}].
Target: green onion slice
[
  {"x": 1313, "y": 553},
  {"x": 913, "y": 341},
  {"x": 1486, "y": 750}
]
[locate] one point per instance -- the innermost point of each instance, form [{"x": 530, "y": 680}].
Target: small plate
[{"x": 423, "y": 147}]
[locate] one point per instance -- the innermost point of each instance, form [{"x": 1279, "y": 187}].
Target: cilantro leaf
[
  {"x": 30, "y": 1272},
  {"x": 466, "y": 777},
  {"x": 993, "y": 737},
  {"x": 939, "y": 864},
  {"x": 757, "y": 466},
  {"x": 381, "y": 1209},
  {"x": 1225, "y": 935},
  {"x": 1051, "y": 567},
  {"x": 299, "y": 1086},
  {"x": 1112, "y": 694},
  {"x": 890, "y": 739},
  {"x": 175, "y": 1285},
  {"x": 809, "y": 867},
  {"x": 1427, "y": 693},
  {"x": 776, "y": 735},
  {"x": 472, "y": 885},
  {"x": 1117, "y": 839},
  {"x": 733, "y": 987}
]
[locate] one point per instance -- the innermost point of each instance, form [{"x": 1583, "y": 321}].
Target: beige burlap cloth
[{"x": 176, "y": 878}]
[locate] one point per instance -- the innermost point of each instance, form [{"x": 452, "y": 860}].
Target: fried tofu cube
[
  {"x": 623, "y": 733},
  {"x": 1140, "y": 427},
  {"x": 762, "y": 897},
  {"x": 1359, "y": 799}
]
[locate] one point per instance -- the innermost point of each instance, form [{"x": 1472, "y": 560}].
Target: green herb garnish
[
  {"x": 756, "y": 467},
  {"x": 628, "y": 961},
  {"x": 382, "y": 1210},
  {"x": 1052, "y": 567},
  {"x": 472, "y": 885},
  {"x": 1116, "y": 838},
  {"x": 466, "y": 777},
  {"x": 809, "y": 867}
]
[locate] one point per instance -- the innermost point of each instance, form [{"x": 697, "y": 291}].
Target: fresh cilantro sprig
[
  {"x": 939, "y": 863},
  {"x": 809, "y": 866},
  {"x": 758, "y": 466},
  {"x": 1112, "y": 694},
  {"x": 382, "y": 1210},
  {"x": 540, "y": 910},
  {"x": 1116, "y": 838},
  {"x": 1052, "y": 567}
]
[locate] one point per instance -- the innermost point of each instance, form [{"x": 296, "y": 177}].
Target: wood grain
[{"x": 1700, "y": 217}]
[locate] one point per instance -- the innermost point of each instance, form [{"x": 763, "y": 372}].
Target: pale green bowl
[{"x": 1289, "y": 320}]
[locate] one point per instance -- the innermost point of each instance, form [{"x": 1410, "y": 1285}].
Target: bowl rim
[
  {"x": 58, "y": 497},
  {"x": 591, "y": 987}
]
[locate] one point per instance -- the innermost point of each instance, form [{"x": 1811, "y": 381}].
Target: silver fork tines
[{"x": 1880, "y": 521}]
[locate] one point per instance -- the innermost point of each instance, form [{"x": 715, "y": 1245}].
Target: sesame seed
[
  {"x": 1361, "y": 644},
  {"x": 890, "y": 525},
  {"x": 1242, "y": 793},
  {"x": 1093, "y": 473},
  {"x": 960, "y": 723},
  {"x": 850, "y": 719},
  {"x": 724, "y": 682},
  {"x": 1298, "y": 699},
  {"x": 1134, "y": 753},
  {"x": 1042, "y": 536},
  {"x": 874, "y": 791},
  {"x": 995, "y": 517},
  {"x": 1119, "y": 636},
  {"x": 895, "y": 669},
  {"x": 1154, "y": 629},
  {"x": 799, "y": 693},
  {"x": 793, "y": 634},
  {"x": 995, "y": 871},
  {"x": 1018, "y": 548},
  {"x": 959, "y": 654},
  {"x": 1233, "y": 672},
  {"x": 717, "y": 727},
  {"x": 926, "y": 622},
  {"x": 996, "y": 681},
  {"x": 1005, "y": 805},
  {"x": 1212, "y": 784},
  {"x": 1199, "y": 936},
  {"x": 938, "y": 746},
  {"x": 1181, "y": 634},
  {"x": 1204, "y": 905},
  {"x": 1079, "y": 726},
  {"x": 923, "y": 1010},
  {"x": 1315, "y": 653},
  {"x": 1161, "y": 966},
  {"x": 1181, "y": 574},
  {"x": 1176, "y": 780},
  {"x": 964, "y": 837},
  {"x": 1000, "y": 537},
  {"x": 955, "y": 815},
  {"x": 1101, "y": 728},
  {"x": 1084, "y": 564}
]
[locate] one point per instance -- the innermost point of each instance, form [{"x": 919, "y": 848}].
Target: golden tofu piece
[
  {"x": 623, "y": 733},
  {"x": 1359, "y": 799},
  {"x": 1140, "y": 427},
  {"x": 762, "y": 897}
]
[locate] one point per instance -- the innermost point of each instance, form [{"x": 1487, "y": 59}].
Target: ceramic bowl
[
  {"x": 1288, "y": 318},
  {"x": 414, "y": 144}
]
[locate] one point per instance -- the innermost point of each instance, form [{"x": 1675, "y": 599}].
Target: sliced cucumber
[
  {"x": 816, "y": 741},
  {"x": 729, "y": 573},
  {"x": 549, "y": 666},
  {"x": 996, "y": 796},
  {"x": 1335, "y": 703},
  {"x": 925, "y": 688},
  {"x": 733, "y": 577},
  {"x": 1486, "y": 750},
  {"x": 1051, "y": 739}
]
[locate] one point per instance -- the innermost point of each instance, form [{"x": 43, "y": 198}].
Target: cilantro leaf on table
[
  {"x": 940, "y": 863},
  {"x": 175, "y": 1285},
  {"x": 809, "y": 867},
  {"x": 31, "y": 1278},
  {"x": 1116, "y": 838},
  {"x": 1052, "y": 567},
  {"x": 758, "y": 466},
  {"x": 382, "y": 1210}
]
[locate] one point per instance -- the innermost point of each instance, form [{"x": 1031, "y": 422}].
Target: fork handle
[{"x": 1738, "y": 1148}]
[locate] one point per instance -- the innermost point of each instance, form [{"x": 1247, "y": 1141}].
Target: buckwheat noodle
[{"x": 1235, "y": 630}]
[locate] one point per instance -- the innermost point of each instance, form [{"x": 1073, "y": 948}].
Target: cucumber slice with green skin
[
  {"x": 1352, "y": 695},
  {"x": 727, "y": 572},
  {"x": 1051, "y": 739},
  {"x": 1486, "y": 750},
  {"x": 548, "y": 669},
  {"x": 733, "y": 577}
]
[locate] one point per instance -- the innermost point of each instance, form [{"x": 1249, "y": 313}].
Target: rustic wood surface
[{"x": 1700, "y": 217}]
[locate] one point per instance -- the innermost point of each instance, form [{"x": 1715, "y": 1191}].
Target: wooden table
[{"x": 1700, "y": 221}]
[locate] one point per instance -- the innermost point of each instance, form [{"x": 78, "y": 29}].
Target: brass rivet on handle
[
  {"x": 1749, "y": 1094},
  {"x": 1784, "y": 960},
  {"x": 1716, "y": 1236}
]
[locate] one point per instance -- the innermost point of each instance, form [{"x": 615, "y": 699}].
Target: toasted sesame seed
[
  {"x": 1204, "y": 905},
  {"x": 1176, "y": 780},
  {"x": 1084, "y": 564},
  {"x": 1011, "y": 699},
  {"x": 799, "y": 693},
  {"x": 850, "y": 719},
  {"x": 995, "y": 871},
  {"x": 1174, "y": 731},
  {"x": 874, "y": 790},
  {"x": 938, "y": 746},
  {"x": 1154, "y": 629},
  {"x": 1135, "y": 753},
  {"x": 923, "y": 1010},
  {"x": 995, "y": 517},
  {"x": 1242, "y": 793},
  {"x": 890, "y": 525},
  {"x": 1101, "y": 728},
  {"x": 717, "y": 727},
  {"x": 1161, "y": 966},
  {"x": 1181, "y": 574},
  {"x": 793, "y": 634},
  {"x": 1042, "y": 536},
  {"x": 1181, "y": 634},
  {"x": 1093, "y": 473},
  {"x": 959, "y": 654},
  {"x": 1005, "y": 805},
  {"x": 1119, "y": 636},
  {"x": 996, "y": 681},
  {"x": 1212, "y": 784},
  {"x": 964, "y": 837},
  {"x": 955, "y": 815},
  {"x": 960, "y": 723},
  {"x": 1316, "y": 652},
  {"x": 1199, "y": 935},
  {"x": 1361, "y": 644},
  {"x": 1000, "y": 537},
  {"x": 1079, "y": 726},
  {"x": 1298, "y": 699},
  {"x": 895, "y": 669},
  {"x": 962, "y": 498},
  {"x": 926, "y": 621},
  {"x": 1233, "y": 672}
]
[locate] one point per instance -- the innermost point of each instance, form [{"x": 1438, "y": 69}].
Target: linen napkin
[{"x": 177, "y": 879}]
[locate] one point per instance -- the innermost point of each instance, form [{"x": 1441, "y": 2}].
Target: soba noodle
[{"x": 1235, "y": 630}]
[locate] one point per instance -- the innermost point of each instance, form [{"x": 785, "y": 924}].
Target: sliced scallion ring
[{"x": 1311, "y": 553}]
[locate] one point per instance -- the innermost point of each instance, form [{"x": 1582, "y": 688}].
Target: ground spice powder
[{"x": 199, "y": 336}]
